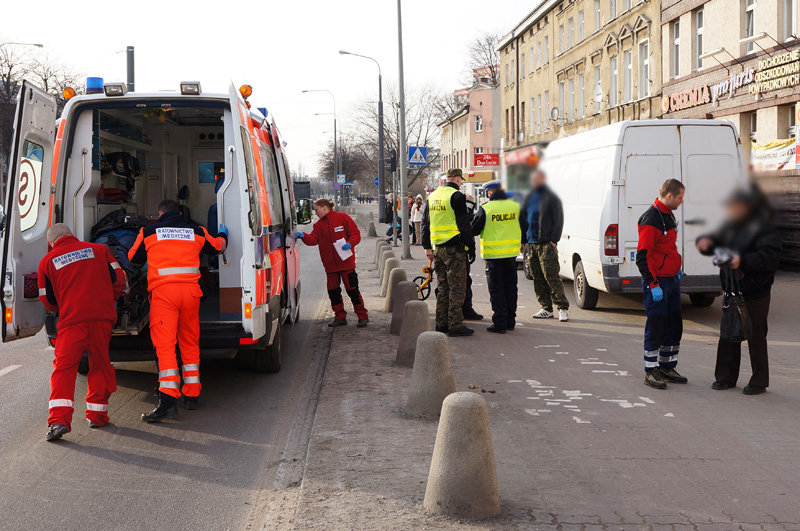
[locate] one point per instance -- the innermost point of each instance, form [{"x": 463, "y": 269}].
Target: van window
[
  {"x": 253, "y": 190},
  {"x": 271, "y": 179},
  {"x": 30, "y": 184}
]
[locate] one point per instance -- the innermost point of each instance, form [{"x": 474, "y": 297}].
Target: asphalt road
[{"x": 200, "y": 472}]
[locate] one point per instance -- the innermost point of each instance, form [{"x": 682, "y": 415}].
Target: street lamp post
[
  {"x": 35, "y": 45},
  {"x": 402, "y": 157},
  {"x": 381, "y": 161},
  {"x": 335, "y": 148}
]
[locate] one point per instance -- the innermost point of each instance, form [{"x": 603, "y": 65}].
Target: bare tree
[
  {"x": 53, "y": 78},
  {"x": 483, "y": 57},
  {"x": 352, "y": 161}
]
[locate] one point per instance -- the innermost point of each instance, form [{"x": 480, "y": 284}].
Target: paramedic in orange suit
[
  {"x": 171, "y": 247},
  {"x": 80, "y": 281}
]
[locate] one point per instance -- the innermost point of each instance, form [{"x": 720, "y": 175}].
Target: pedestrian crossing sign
[{"x": 417, "y": 156}]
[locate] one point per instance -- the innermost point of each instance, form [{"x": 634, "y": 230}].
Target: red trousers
[
  {"x": 71, "y": 342},
  {"x": 350, "y": 281},
  {"x": 175, "y": 318}
]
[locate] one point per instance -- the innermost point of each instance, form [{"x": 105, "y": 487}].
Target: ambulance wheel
[
  {"x": 702, "y": 299},
  {"x": 83, "y": 366},
  {"x": 270, "y": 359},
  {"x": 585, "y": 295}
]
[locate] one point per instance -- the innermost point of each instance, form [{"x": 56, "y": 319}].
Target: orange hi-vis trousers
[{"x": 175, "y": 318}]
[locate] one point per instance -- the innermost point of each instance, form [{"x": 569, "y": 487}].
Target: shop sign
[
  {"x": 686, "y": 99},
  {"x": 777, "y": 155},
  {"x": 730, "y": 85},
  {"x": 777, "y": 72},
  {"x": 486, "y": 159}
]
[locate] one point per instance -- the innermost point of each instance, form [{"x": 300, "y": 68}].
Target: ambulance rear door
[{"x": 26, "y": 208}]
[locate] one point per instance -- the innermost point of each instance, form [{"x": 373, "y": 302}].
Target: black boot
[
  {"x": 55, "y": 431},
  {"x": 472, "y": 315},
  {"x": 191, "y": 403},
  {"x": 166, "y": 409}
]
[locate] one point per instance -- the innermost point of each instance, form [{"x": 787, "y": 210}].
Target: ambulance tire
[
  {"x": 585, "y": 295},
  {"x": 702, "y": 299},
  {"x": 269, "y": 359},
  {"x": 83, "y": 366}
]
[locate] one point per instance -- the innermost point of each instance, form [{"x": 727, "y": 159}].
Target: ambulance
[{"x": 103, "y": 167}]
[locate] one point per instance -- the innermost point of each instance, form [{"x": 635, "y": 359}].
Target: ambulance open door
[{"x": 26, "y": 209}]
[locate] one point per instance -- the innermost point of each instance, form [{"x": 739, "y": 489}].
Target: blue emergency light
[{"x": 94, "y": 85}]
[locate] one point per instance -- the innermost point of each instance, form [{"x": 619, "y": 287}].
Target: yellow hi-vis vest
[
  {"x": 501, "y": 236},
  {"x": 441, "y": 215}
]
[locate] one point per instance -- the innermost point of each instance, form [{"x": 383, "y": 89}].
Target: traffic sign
[
  {"x": 376, "y": 181},
  {"x": 336, "y": 186},
  {"x": 417, "y": 156}
]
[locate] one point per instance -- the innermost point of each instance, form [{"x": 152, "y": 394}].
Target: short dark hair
[
  {"x": 169, "y": 205},
  {"x": 671, "y": 186},
  {"x": 454, "y": 172}
]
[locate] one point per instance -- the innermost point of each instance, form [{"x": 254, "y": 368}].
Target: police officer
[
  {"x": 448, "y": 241},
  {"x": 171, "y": 247},
  {"x": 79, "y": 281},
  {"x": 501, "y": 228},
  {"x": 659, "y": 263}
]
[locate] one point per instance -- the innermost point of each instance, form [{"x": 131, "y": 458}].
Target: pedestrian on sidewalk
[
  {"x": 80, "y": 282},
  {"x": 337, "y": 235},
  {"x": 755, "y": 249},
  {"x": 448, "y": 242},
  {"x": 544, "y": 215},
  {"x": 416, "y": 219},
  {"x": 501, "y": 228},
  {"x": 660, "y": 266}
]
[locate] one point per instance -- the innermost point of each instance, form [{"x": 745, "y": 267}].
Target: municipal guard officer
[
  {"x": 501, "y": 228},
  {"x": 448, "y": 241}
]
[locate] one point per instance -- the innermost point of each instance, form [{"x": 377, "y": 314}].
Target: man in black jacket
[
  {"x": 756, "y": 247},
  {"x": 544, "y": 214}
]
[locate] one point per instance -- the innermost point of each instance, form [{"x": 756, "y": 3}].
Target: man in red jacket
[
  {"x": 337, "y": 234},
  {"x": 80, "y": 281},
  {"x": 660, "y": 266}
]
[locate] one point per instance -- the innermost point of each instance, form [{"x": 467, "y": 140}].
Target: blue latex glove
[
  {"x": 346, "y": 247},
  {"x": 299, "y": 235},
  {"x": 657, "y": 293},
  {"x": 223, "y": 230},
  {"x": 680, "y": 274}
]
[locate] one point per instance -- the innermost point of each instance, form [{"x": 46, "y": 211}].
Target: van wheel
[
  {"x": 702, "y": 299},
  {"x": 270, "y": 359},
  {"x": 83, "y": 365},
  {"x": 585, "y": 295}
]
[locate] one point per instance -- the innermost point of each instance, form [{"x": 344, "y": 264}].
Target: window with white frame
[
  {"x": 513, "y": 73},
  {"x": 530, "y": 54},
  {"x": 612, "y": 89},
  {"x": 539, "y": 110},
  {"x": 570, "y": 32},
  {"x": 580, "y": 25},
  {"x": 478, "y": 150},
  {"x": 627, "y": 76},
  {"x": 505, "y": 80},
  {"x": 699, "y": 27},
  {"x": 534, "y": 117},
  {"x": 753, "y": 125},
  {"x": 789, "y": 19},
  {"x": 612, "y": 8},
  {"x": 597, "y": 87},
  {"x": 675, "y": 50},
  {"x": 538, "y": 54},
  {"x": 561, "y": 38},
  {"x": 546, "y": 56},
  {"x": 626, "y": 5},
  {"x": 522, "y": 66},
  {"x": 581, "y": 93},
  {"x": 546, "y": 116},
  {"x": 749, "y": 23},
  {"x": 644, "y": 69},
  {"x": 598, "y": 18},
  {"x": 571, "y": 101},
  {"x": 791, "y": 121},
  {"x": 478, "y": 123},
  {"x": 561, "y": 98}
]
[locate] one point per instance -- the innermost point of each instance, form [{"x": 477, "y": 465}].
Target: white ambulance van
[{"x": 607, "y": 177}]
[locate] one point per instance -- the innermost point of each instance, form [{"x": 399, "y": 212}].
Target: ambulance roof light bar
[
  {"x": 115, "y": 89},
  {"x": 190, "y": 88}
]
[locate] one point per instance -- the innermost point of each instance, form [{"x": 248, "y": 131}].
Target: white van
[{"x": 607, "y": 177}]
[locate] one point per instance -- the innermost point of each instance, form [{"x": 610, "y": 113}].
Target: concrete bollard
[
  {"x": 371, "y": 215},
  {"x": 415, "y": 321},
  {"x": 371, "y": 232},
  {"x": 378, "y": 244},
  {"x": 431, "y": 378},
  {"x": 462, "y": 481},
  {"x": 391, "y": 264},
  {"x": 403, "y": 292},
  {"x": 386, "y": 253},
  {"x": 382, "y": 246},
  {"x": 396, "y": 276}
]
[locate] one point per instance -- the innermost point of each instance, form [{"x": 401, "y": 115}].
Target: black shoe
[
  {"x": 166, "y": 409},
  {"x": 362, "y": 323},
  {"x": 94, "y": 425},
  {"x": 721, "y": 386},
  {"x": 472, "y": 315},
  {"x": 671, "y": 375},
  {"x": 653, "y": 379},
  {"x": 461, "y": 331},
  {"x": 337, "y": 322},
  {"x": 496, "y": 329},
  {"x": 442, "y": 329},
  {"x": 753, "y": 390},
  {"x": 55, "y": 432},
  {"x": 190, "y": 403}
]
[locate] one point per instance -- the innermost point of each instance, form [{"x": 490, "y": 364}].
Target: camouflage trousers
[
  {"x": 450, "y": 265},
  {"x": 541, "y": 261}
]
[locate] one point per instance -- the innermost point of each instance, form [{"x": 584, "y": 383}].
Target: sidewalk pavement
[{"x": 579, "y": 441}]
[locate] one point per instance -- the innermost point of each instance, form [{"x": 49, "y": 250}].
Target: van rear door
[
  {"x": 711, "y": 171},
  {"x": 27, "y": 205}
]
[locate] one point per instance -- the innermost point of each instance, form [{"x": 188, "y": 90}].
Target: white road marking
[
  {"x": 547, "y": 346},
  {"x": 645, "y": 399},
  {"x": 532, "y": 412},
  {"x": 515, "y": 381},
  {"x": 616, "y": 373},
  {"x": 552, "y": 404},
  {"x": 602, "y": 350},
  {"x": 669, "y": 415},
  {"x": 552, "y": 361},
  {"x": 9, "y": 369},
  {"x": 561, "y": 353},
  {"x": 579, "y": 421}
]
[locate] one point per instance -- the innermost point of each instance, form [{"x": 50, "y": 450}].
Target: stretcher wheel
[
  {"x": 83, "y": 365},
  {"x": 270, "y": 359},
  {"x": 425, "y": 292}
]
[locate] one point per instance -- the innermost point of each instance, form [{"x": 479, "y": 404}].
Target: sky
[{"x": 280, "y": 48}]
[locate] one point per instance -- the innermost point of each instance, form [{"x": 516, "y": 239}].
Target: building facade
[{"x": 574, "y": 65}]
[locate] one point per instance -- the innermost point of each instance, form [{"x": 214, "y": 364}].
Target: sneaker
[
  {"x": 563, "y": 316},
  {"x": 461, "y": 331},
  {"x": 472, "y": 315},
  {"x": 55, "y": 432},
  {"x": 671, "y": 375},
  {"x": 496, "y": 329},
  {"x": 753, "y": 390},
  {"x": 653, "y": 379},
  {"x": 362, "y": 322},
  {"x": 721, "y": 386},
  {"x": 543, "y": 314},
  {"x": 337, "y": 322}
]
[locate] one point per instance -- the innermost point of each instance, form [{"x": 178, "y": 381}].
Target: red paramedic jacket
[
  {"x": 657, "y": 253},
  {"x": 334, "y": 226},
  {"x": 80, "y": 281}
]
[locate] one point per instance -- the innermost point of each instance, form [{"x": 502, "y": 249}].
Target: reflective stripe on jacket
[
  {"x": 500, "y": 237},
  {"x": 442, "y": 215}
]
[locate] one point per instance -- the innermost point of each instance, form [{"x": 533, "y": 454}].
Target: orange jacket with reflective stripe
[{"x": 171, "y": 247}]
